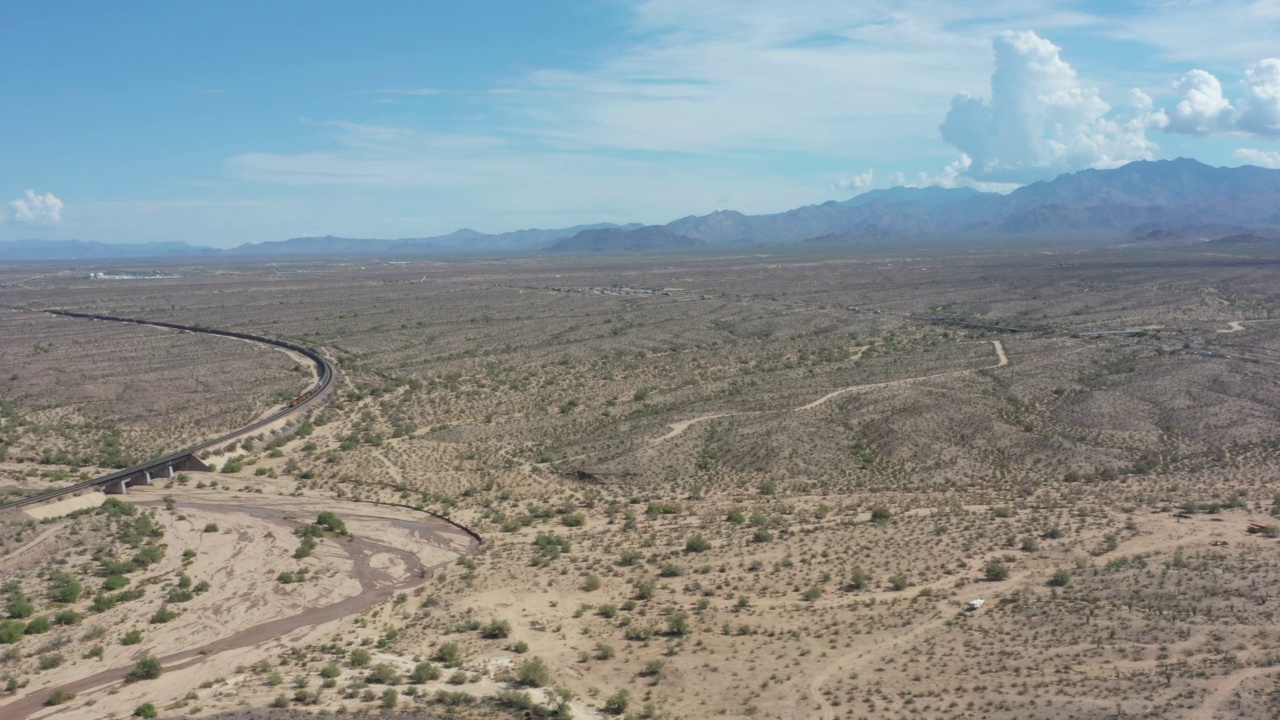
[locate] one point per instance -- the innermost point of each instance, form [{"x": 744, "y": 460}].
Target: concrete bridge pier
[{"x": 120, "y": 487}]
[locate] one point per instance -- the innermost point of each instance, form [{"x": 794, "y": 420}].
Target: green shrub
[
  {"x": 50, "y": 661},
  {"x": 114, "y": 582},
  {"x": 11, "y": 631},
  {"x": 331, "y": 522},
  {"x": 163, "y": 615},
  {"x": 424, "y": 672},
  {"x": 678, "y": 623},
  {"x": 617, "y": 703},
  {"x": 533, "y": 673},
  {"x": 881, "y": 514},
  {"x": 133, "y": 637},
  {"x": 38, "y": 626},
  {"x": 645, "y": 589},
  {"x": 1060, "y": 578},
  {"x": 67, "y": 617},
  {"x": 496, "y": 629},
  {"x": 21, "y": 609},
  {"x": 64, "y": 587},
  {"x": 638, "y": 632},
  {"x": 146, "y": 710},
  {"x": 390, "y": 697},
  {"x": 359, "y": 657},
  {"x": 383, "y": 674},
  {"x": 859, "y": 579},
  {"x": 59, "y": 697},
  {"x": 148, "y": 668},
  {"x": 697, "y": 543},
  {"x": 996, "y": 571},
  {"x": 449, "y": 654}
]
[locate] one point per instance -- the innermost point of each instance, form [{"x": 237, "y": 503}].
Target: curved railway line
[{"x": 313, "y": 395}]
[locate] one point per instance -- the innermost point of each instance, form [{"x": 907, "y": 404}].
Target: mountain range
[{"x": 1150, "y": 200}]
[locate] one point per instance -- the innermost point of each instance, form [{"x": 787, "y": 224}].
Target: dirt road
[{"x": 679, "y": 427}]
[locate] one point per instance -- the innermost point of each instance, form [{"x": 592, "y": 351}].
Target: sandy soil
[{"x": 66, "y": 505}]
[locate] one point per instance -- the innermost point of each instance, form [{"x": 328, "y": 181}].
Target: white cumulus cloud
[
  {"x": 1205, "y": 109},
  {"x": 34, "y": 209},
  {"x": 1261, "y": 158},
  {"x": 857, "y": 182},
  {"x": 1260, "y": 113},
  {"x": 1041, "y": 120}
]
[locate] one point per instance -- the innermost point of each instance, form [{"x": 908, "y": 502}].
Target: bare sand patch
[{"x": 66, "y": 505}]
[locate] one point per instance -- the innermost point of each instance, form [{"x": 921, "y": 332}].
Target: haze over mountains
[{"x": 1153, "y": 200}]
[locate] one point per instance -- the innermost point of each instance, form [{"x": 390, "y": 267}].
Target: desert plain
[{"x": 760, "y": 485}]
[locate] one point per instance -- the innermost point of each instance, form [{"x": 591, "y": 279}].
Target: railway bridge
[{"x": 119, "y": 482}]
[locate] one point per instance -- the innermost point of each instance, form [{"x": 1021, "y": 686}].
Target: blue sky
[{"x": 232, "y": 122}]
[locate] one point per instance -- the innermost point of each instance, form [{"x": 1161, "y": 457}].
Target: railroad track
[{"x": 312, "y": 396}]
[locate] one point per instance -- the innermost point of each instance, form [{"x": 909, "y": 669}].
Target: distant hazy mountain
[
  {"x": 1165, "y": 194},
  {"x": 920, "y": 196},
  {"x": 867, "y": 234},
  {"x": 24, "y": 250},
  {"x": 1165, "y": 200},
  {"x": 458, "y": 241},
  {"x": 653, "y": 237}
]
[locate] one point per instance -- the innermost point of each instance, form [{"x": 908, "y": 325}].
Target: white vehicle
[{"x": 974, "y": 604}]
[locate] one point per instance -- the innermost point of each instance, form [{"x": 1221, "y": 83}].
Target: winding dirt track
[
  {"x": 679, "y": 427},
  {"x": 376, "y": 586},
  {"x": 1233, "y": 326}
]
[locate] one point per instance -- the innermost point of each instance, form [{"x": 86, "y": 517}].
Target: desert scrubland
[{"x": 758, "y": 486}]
